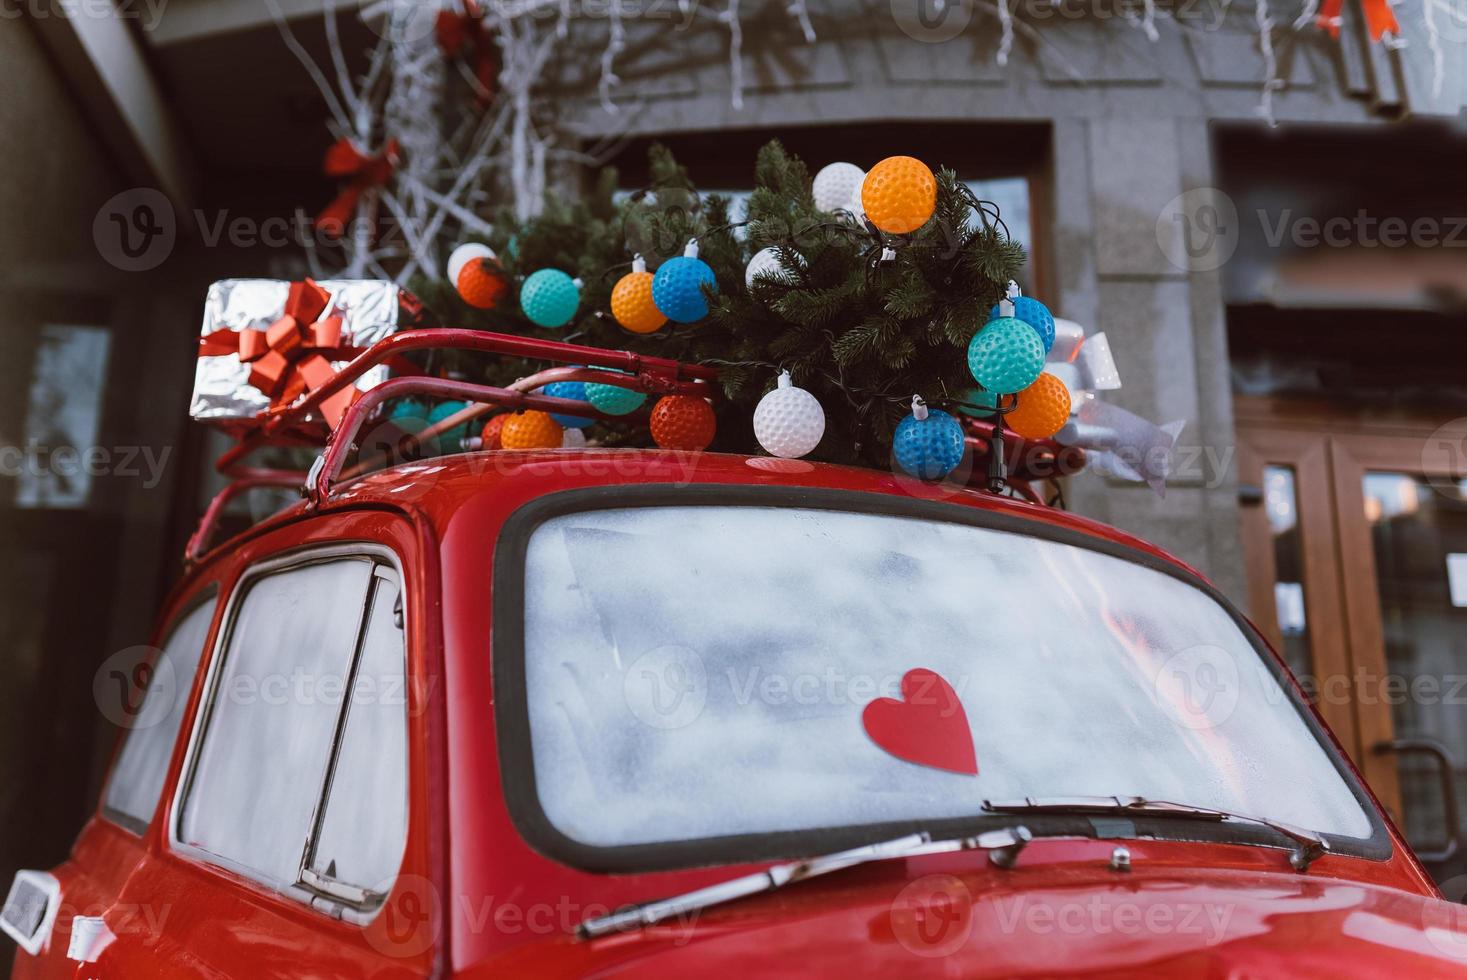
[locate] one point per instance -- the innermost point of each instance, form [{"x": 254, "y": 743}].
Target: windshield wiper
[
  {"x": 1309, "y": 846},
  {"x": 1003, "y": 846}
]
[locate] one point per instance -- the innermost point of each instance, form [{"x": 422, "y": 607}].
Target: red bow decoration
[
  {"x": 456, "y": 32},
  {"x": 293, "y": 355},
  {"x": 344, "y": 160},
  {"x": 1380, "y": 20}
]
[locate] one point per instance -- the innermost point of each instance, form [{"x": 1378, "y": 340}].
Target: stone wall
[{"x": 1129, "y": 120}]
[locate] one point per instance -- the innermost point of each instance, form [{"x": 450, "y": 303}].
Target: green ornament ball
[
  {"x": 550, "y": 297},
  {"x": 614, "y": 400},
  {"x": 448, "y": 441},
  {"x": 1006, "y": 356}
]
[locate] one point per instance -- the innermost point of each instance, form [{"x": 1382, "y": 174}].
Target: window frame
[
  {"x": 512, "y": 724},
  {"x": 333, "y": 899},
  {"x": 208, "y": 594}
]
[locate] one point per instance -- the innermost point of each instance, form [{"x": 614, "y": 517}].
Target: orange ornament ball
[
  {"x": 480, "y": 283},
  {"x": 1043, "y": 408},
  {"x": 683, "y": 422},
  {"x": 631, "y": 302},
  {"x": 899, "y": 195},
  {"x": 489, "y": 438},
  {"x": 530, "y": 430}
]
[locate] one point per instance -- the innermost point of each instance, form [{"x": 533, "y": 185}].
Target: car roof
[{"x": 437, "y": 488}]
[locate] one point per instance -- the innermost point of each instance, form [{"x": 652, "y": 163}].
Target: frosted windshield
[{"x": 703, "y": 671}]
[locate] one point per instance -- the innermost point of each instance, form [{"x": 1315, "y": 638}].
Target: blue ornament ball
[
  {"x": 614, "y": 400},
  {"x": 929, "y": 448},
  {"x": 1034, "y": 313},
  {"x": 1006, "y": 356},
  {"x": 677, "y": 289},
  {"x": 449, "y": 440},
  {"x": 574, "y": 391},
  {"x": 550, "y": 297}
]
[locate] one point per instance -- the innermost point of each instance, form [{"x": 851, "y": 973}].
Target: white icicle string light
[
  {"x": 735, "y": 53},
  {"x": 1006, "y": 23},
  {"x": 1434, "y": 44},
  {"x": 614, "y": 47},
  {"x": 455, "y": 158},
  {"x": 1271, "y": 81},
  {"x": 801, "y": 13},
  {"x": 1148, "y": 20}
]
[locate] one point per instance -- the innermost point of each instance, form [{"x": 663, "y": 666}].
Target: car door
[
  {"x": 293, "y": 838},
  {"x": 146, "y": 692}
]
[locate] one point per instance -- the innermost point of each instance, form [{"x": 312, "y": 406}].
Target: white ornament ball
[
  {"x": 857, "y": 209},
  {"x": 573, "y": 439},
  {"x": 765, "y": 261},
  {"x": 464, "y": 254},
  {"x": 835, "y": 185},
  {"x": 788, "y": 422}
]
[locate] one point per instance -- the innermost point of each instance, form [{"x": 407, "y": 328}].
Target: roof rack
[{"x": 299, "y": 424}]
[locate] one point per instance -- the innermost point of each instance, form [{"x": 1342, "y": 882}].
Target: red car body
[{"x": 475, "y": 899}]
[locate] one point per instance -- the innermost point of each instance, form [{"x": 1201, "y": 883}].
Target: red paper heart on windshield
[{"x": 928, "y": 726}]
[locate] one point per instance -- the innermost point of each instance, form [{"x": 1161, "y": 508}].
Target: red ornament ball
[
  {"x": 683, "y": 422},
  {"x": 490, "y": 435},
  {"x": 480, "y": 283}
]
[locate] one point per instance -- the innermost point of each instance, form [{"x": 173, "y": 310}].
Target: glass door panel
[
  {"x": 1418, "y": 535},
  {"x": 1281, "y": 506}
]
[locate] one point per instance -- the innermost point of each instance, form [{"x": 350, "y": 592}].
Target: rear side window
[
  {"x": 142, "y": 763},
  {"x": 300, "y": 775}
]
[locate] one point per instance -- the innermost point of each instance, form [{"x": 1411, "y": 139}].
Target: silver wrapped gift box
[{"x": 369, "y": 309}]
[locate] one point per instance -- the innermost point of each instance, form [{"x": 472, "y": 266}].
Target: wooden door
[{"x": 1355, "y": 537}]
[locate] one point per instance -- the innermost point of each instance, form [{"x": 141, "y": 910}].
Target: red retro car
[{"x": 564, "y": 713}]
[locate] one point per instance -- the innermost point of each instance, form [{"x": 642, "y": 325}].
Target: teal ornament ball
[
  {"x": 1006, "y": 356},
  {"x": 677, "y": 289},
  {"x": 1034, "y": 313},
  {"x": 550, "y": 297},
  {"x": 408, "y": 408},
  {"x": 614, "y": 400},
  {"x": 977, "y": 403},
  {"x": 451, "y": 440},
  {"x": 573, "y": 391},
  {"x": 928, "y": 448}
]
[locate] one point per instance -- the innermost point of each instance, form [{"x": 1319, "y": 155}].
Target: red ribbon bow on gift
[
  {"x": 343, "y": 159},
  {"x": 293, "y": 355},
  {"x": 456, "y": 32},
  {"x": 1380, "y": 20}
]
